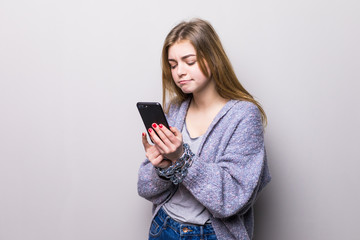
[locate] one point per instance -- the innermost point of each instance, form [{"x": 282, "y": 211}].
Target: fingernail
[
  {"x": 160, "y": 125},
  {"x": 154, "y": 125},
  {"x": 150, "y": 130},
  {"x": 143, "y": 134}
]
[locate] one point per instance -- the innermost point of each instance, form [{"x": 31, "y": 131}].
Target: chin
[{"x": 187, "y": 91}]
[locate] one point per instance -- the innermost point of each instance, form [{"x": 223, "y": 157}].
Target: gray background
[{"x": 71, "y": 73}]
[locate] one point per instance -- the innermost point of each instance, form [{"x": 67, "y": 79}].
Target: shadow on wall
[{"x": 266, "y": 214}]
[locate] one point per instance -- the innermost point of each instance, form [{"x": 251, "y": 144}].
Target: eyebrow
[{"x": 182, "y": 58}]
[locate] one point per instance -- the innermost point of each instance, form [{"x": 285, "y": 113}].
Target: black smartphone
[{"x": 152, "y": 112}]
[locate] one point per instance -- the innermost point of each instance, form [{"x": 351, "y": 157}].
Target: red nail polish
[
  {"x": 143, "y": 134},
  {"x": 154, "y": 125},
  {"x": 160, "y": 125},
  {"x": 150, "y": 130}
]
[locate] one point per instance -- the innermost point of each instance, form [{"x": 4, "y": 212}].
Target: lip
[{"x": 184, "y": 81}]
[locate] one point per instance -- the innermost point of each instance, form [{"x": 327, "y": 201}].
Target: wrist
[
  {"x": 181, "y": 155},
  {"x": 178, "y": 170}
]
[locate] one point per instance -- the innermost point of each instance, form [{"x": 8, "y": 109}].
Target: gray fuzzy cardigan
[{"x": 228, "y": 172}]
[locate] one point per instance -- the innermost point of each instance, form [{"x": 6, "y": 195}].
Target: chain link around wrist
[{"x": 178, "y": 170}]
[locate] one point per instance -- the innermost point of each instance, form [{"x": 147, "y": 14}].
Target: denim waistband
[{"x": 184, "y": 228}]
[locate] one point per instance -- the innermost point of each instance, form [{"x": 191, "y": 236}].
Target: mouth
[{"x": 184, "y": 81}]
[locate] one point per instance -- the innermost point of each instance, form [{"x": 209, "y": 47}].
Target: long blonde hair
[{"x": 209, "y": 50}]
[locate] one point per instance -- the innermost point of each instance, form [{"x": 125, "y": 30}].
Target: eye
[
  {"x": 190, "y": 60},
  {"x": 172, "y": 64}
]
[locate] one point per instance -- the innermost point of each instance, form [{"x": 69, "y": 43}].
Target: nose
[{"x": 181, "y": 69}]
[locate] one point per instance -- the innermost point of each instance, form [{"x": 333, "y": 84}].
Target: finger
[
  {"x": 173, "y": 134},
  {"x": 151, "y": 154},
  {"x": 145, "y": 141},
  {"x": 157, "y": 160},
  {"x": 159, "y": 130},
  {"x": 157, "y": 141},
  {"x": 175, "y": 147}
]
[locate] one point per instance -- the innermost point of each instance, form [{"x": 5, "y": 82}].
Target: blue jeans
[{"x": 163, "y": 227}]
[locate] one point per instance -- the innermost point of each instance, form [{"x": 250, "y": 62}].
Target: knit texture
[{"x": 228, "y": 171}]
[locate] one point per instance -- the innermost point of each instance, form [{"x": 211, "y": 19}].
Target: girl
[{"x": 203, "y": 174}]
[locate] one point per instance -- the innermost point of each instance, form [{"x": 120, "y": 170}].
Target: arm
[
  {"x": 151, "y": 186},
  {"x": 230, "y": 184}
]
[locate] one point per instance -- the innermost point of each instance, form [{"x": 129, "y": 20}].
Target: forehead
[{"x": 180, "y": 49}]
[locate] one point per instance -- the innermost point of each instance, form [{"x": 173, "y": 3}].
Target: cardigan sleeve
[
  {"x": 230, "y": 185},
  {"x": 151, "y": 186}
]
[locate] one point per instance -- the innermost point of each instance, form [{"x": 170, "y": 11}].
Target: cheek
[
  {"x": 200, "y": 75},
  {"x": 174, "y": 75}
]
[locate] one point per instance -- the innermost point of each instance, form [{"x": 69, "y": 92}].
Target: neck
[{"x": 206, "y": 99}]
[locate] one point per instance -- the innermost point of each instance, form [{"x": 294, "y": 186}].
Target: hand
[
  {"x": 154, "y": 155},
  {"x": 169, "y": 143}
]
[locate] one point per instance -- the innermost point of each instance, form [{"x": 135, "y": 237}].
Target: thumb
[
  {"x": 175, "y": 131},
  {"x": 145, "y": 141}
]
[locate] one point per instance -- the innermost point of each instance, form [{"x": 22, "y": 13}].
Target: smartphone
[{"x": 152, "y": 112}]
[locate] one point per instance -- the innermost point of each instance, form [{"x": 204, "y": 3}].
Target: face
[{"x": 185, "y": 70}]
